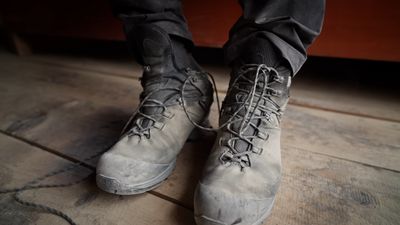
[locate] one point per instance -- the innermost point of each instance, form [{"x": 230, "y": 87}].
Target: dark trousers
[{"x": 290, "y": 26}]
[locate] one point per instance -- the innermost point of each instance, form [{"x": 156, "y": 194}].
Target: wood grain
[
  {"x": 370, "y": 141},
  {"x": 311, "y": 91},
  {"x": 337, "y": 168},
  {"x": 321, "y": 190},
  {"x": 90, "y": 109},
  {"x": 85, "y": 203}
]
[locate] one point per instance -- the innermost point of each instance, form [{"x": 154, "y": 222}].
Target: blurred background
[
  {"x": 352, "y": 29},
  {"x": 68, "y": 84}
]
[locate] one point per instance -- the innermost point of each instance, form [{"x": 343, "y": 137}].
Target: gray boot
[
  {"x": 174, "y": 86},
  {"x": 243, "y": 172}
]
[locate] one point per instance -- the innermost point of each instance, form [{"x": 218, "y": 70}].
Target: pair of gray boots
[{"x": 242, "y": 174}]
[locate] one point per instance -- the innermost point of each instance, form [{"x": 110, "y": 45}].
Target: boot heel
[{"x": 197, "y": 133}]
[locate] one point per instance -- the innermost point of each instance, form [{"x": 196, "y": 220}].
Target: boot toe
[
  {"x": 123, "y": 175},
  {"x": 216, "y": 206}
]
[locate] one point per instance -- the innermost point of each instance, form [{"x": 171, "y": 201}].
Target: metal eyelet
[
  {"x": 168, "y": 114},
  {"x": 194, "y": 79},
  {"x": 276, "y": 93},
  {"x": 257, "y": 151},
  {"x": 158, "y": 125},
  {"x": 279, "y": 79},
  {"x": 262, "y": 135},
  {"x": 147, "y": 68}
]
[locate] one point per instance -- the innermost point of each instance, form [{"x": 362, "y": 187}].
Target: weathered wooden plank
[
  {"x": 369, "y": 141},
  {"x": 340, "y": 97},
  {"x": 352, "y": 99},
  {"x": 118, "y": 66},
  {"x": 315, "y": 190},
  {"x": 78, "y": 113},
  {"x": 50, "y": 104},
  {"x": 84, "y": 202},
  {"x": 321, "y": 190}
]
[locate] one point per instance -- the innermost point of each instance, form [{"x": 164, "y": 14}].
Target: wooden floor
[{"x": 341, "y": 147}]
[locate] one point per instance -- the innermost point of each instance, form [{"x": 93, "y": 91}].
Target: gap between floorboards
[{"x": 84, "y": 164}]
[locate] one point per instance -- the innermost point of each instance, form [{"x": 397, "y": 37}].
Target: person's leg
[
  {"x": 164, "y": 16},
  {"x": 282, "y": 28},
  {"x": 267, "y": 47},
  {"x": 146, "y": 153}
]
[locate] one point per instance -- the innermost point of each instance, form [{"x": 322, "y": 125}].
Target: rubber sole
[
  {"x": 260, "y": 221},
  {"x": 113, "y": 186}
]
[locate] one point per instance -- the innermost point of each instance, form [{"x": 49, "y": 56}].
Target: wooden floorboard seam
[
  {"x": 43, "y": 62},
  {"x": 84, "y": 164},
  {"x": 337, "y": 168},
  {"x": 219, "y": 92},
  {"x": 343, "y": 112},
  {"x": 44, "y": 148},
  {"x": 347, "y": 160},
  {"x": 157, "y": 194},
  {"x": 170, "y": 199}
]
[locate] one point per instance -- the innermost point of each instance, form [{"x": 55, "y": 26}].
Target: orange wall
[
  {"x": 363, "y": 29},
  {"x": 366, "y": 29}
]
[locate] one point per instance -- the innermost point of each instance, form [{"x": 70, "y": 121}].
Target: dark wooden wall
[{"x": 361, "y": 29}]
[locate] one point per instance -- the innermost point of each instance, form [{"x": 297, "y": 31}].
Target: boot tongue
[
  {"x": 164, "y": 58},
  {"x": 157, "y": 56},
  {"x": 162, "y": 96},
  {"x": 258, "y": 50}
]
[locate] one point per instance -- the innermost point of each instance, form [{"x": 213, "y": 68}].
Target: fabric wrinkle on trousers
[
  {"x": 167, "y": 14},
  {"x": 289, "y": 25}
]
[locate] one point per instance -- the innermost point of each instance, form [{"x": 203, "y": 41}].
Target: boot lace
[
  {"x": 141, "y": 123},
  {"x": 258, "y": 106},
  {"x": 139, "y": 117},
  {"x": 256, "y": 103}
]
